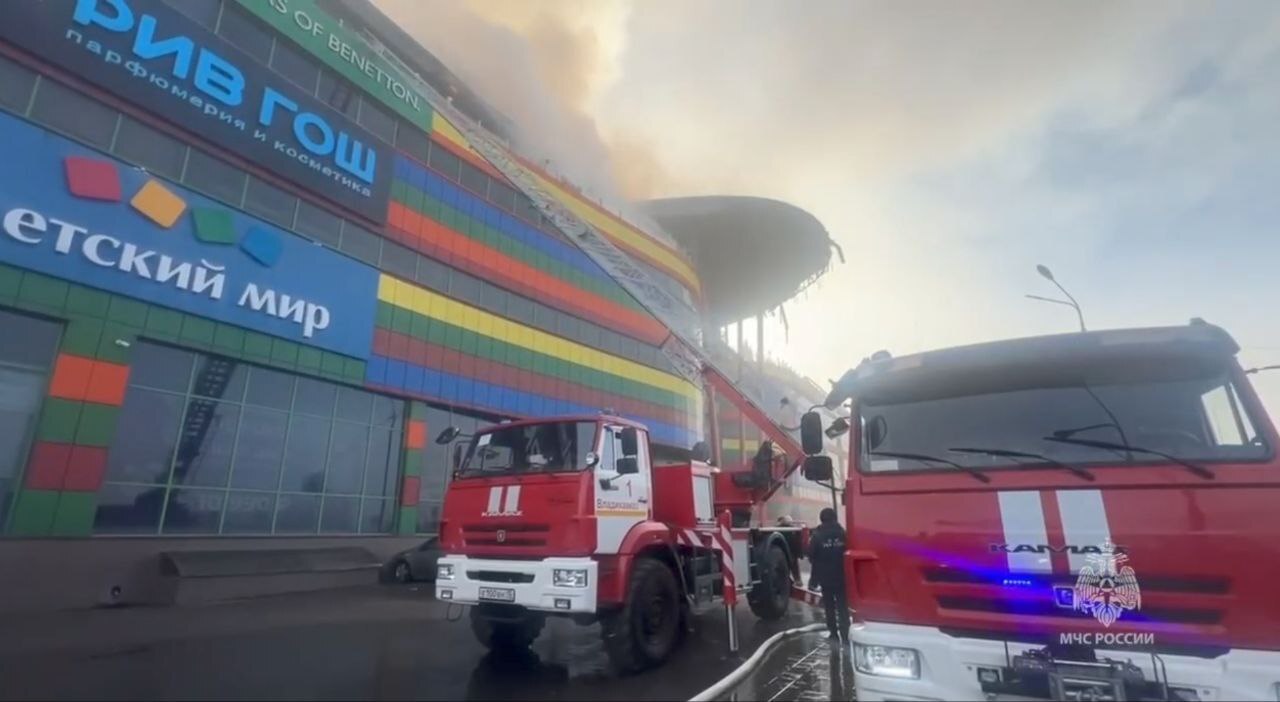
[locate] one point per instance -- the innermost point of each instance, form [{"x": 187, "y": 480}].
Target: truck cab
[
  {"x": 1079, "y": 516},
  {"x": 533, "y": 504}
]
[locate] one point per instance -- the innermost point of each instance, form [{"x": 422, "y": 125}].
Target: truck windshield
[
  {"x": 552, "y": 447},
  {"x": 1067, "y": 422}
]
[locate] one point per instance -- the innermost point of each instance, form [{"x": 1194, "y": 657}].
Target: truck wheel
[
  {"x": 645, "y": 631},
  {"x": 497, "y": 634},
  {"x": 770, "y": 597}
]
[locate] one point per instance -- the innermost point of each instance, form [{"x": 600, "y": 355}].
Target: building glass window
[
  {"x": 526, "y": 210},
  {"x": 203, "y": 11},
  {"x": 210, "y": 445},
  {"x": 270, "y": 203},
  {"x": 27, "y": 348},
  {"x": 74, "y": 114},
  {"x": 339, "y": 94},
  {"x": 376, "y": 120},
  {"x": 502, "y": 195},
  {"x": 293, "y": 65},
  {"x": 474, "y": 179},
  {"x": 444, "y": 161},
  {"x": 16, "y": 83},
  {"x": 245, "y": 32},
  {"x": 495, "y": 299},
  {"x": 360, "y": 243},
  {"x": 433, "y": 274},
  {"x": 318, "y": 224},
  {"x": 520, "y": 309},
  {"x": 215, "y": 177},
  {"x": 413, "y": 141},
  {"x": 157, "y": 152},
  {"x": 398, "y": 260},
  {"x": 464, "y": 287}
]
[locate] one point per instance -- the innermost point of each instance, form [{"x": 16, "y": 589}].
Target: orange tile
[
  {"x": 107, "y": 383},
  {"x": 159, "y": 204},
  {"x": 416, "y": 436},
  {"x": 71, "y": 376}
]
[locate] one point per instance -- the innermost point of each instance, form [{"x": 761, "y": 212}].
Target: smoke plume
[{"x": 542, "y": 64}]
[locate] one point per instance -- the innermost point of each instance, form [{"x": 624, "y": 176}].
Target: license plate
[{"x": 498, "y": 594}]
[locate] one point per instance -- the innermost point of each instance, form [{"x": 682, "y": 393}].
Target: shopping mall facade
[{"x": 247, "y": 272}]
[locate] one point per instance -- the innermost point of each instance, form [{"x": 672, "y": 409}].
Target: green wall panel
[{"x": 34, "y": 512}]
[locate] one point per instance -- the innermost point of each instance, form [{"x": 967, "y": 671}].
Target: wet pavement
[
  {"x": 803, "y": 667},
  {"x": 386, "y": 642}
]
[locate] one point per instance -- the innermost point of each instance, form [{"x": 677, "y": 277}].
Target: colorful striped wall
[
  {"x": 441, "y": 219},
  {"x": 428, "y": 345},
  {"x": 635, "y": 242},
  {"x": 414, "y": 460},
  {"x": 664, "y": 259}
]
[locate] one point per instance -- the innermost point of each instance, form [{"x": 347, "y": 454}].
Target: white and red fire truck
[
  {"x": 573, "y": 516},
  {"x": 1090, "y": 516}
]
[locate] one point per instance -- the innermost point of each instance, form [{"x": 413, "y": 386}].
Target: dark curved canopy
[{"x": 752, "y": 253}]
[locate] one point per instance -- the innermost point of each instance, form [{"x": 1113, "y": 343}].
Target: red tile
[
  {"x": 107, "y": 383},
  {"x": 48, "y": 465},
  {"x": 409, "y": 492},
  {"x": 398, "y": 346},
  {"x": 466, "y": 366},
  {"x": 92, "y": 178},
  {"x": 381, "y": 340},
  {"x": 71, "y": 376},
  {"x": 85, "y": 468}
]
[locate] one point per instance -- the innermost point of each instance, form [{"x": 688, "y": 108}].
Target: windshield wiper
[
  {"x": 933, "y": 459},
  {"x": 1112, "y": 446},
  {"x": 1005, "y": 453}
]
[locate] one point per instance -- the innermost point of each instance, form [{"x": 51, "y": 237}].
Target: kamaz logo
[{"x": 1047, "y": 548}]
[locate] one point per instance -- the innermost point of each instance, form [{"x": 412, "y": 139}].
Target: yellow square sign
[{"x": 159, "y": 204}]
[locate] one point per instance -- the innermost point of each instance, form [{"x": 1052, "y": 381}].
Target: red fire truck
[
  {"x": 1080, "y": 516},
  {"x": 574, "y": 517}
]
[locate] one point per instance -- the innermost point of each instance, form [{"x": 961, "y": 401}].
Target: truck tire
[
  {"x": 771, "y": 595},
  {"x": 497, "y": 634},
  {"x": 647, "y": 628}
]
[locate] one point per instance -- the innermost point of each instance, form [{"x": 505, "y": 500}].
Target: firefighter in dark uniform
[{"x": 826, "y": 557}]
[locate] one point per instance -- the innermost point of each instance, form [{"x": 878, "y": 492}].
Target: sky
[{"x": 1133, "y": 147}]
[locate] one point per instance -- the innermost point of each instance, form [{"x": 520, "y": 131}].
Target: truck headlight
[
  {"x": 444, "y": 571},
  {"x": 569, "y": 577},
  {"x": 887, "y": 661}
]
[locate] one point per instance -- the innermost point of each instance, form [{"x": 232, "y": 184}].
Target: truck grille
[
  {"x": 498, "y": 576},
  {"x": 506, "y": 535},
  {"x": 1049, "y": 609},
  {"x": 1185, "y": 599}
]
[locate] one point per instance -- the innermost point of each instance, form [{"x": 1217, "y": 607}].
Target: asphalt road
[
  {"x": 387, "y": 642},
  {"x": 806, "y": 668}
]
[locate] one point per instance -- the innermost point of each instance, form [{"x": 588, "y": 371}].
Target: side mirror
[
  {"x": 448, "y": 435},
  {"x": 630, "y": 442},
  {"x": 818, "y": 468},
  {"x": 457, "y": 456},
  {"x": 877, "y": 430},
  {"x": 627, "y": 465},
  {"x": 811, "y": 432}
]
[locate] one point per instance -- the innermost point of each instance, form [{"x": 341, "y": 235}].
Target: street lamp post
[{"x": 1048, "y": 275}]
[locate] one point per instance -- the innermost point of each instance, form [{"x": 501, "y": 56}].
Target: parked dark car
[{"x": 417, "y": 563}]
